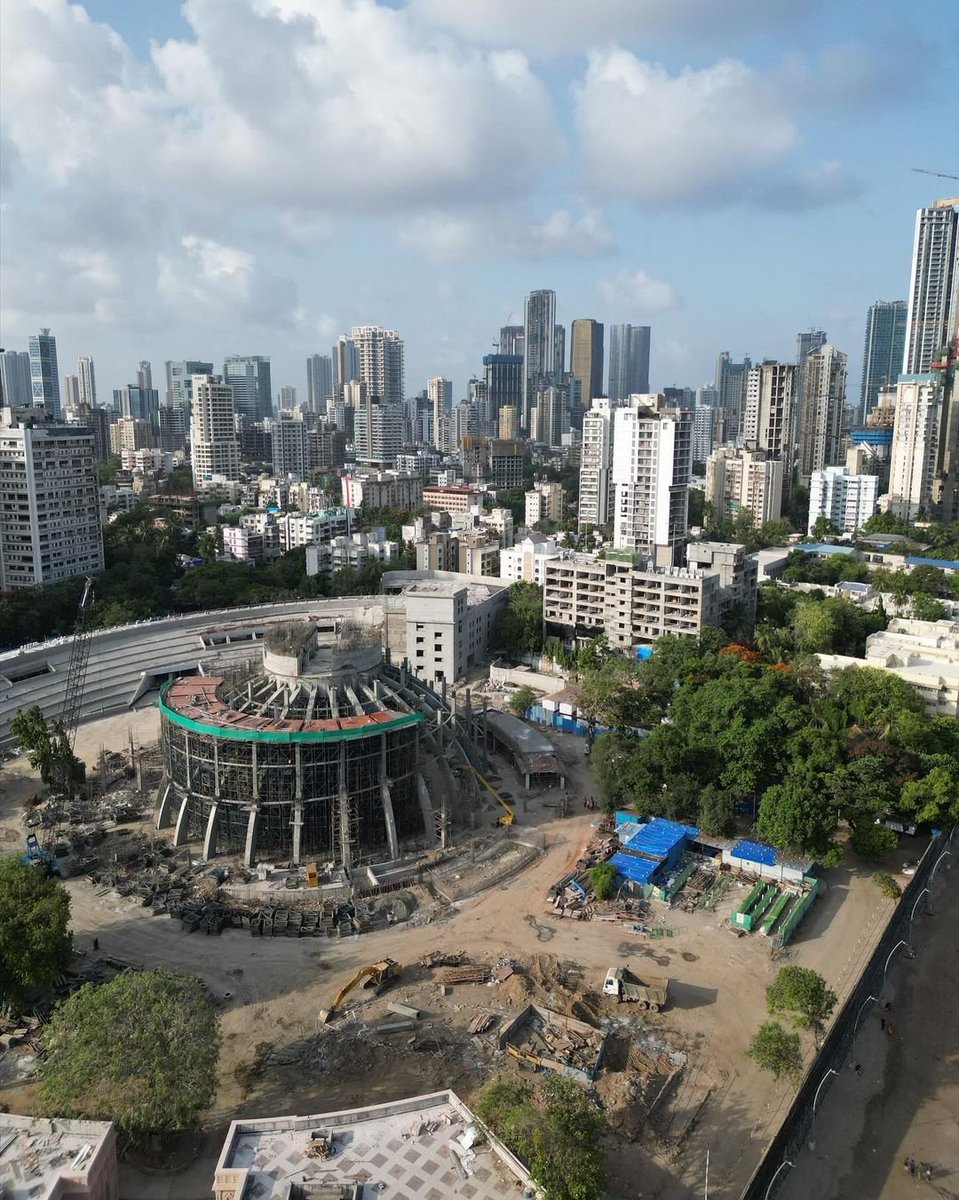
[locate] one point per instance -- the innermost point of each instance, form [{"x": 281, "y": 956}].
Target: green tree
[
  {"x": 795, "y": 815},
  {"x": 35, "y": 943},
  {"x": 519, "y": 628},
  {"x": 927, "y": 608},
  {"x": 522, "y": 700},
  {"x": 776, "y": 1050},
  {"x": 887, "y": 885},
  {"x": 717, "y": 812},
  {"x": 935, "y": 797},
  {"x": 801, "y": 994},
  {"x": 140, "y": 1050},
  {"x": 873, "y": 699},
  {"x": 602, "y": 880},
  {"x": 824, "y": 528},
  {"x": 873, "y": 841},
  {"x": 555, "y": 1128},
  {"x": 48, "y": 748}
]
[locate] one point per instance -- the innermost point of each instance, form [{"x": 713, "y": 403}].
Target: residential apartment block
[
  {"x": 742, "y": 480},
  {"x": 846, "y": 499}
]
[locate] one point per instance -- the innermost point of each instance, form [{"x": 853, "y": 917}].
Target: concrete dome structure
[{"x": 327, "y": 752}]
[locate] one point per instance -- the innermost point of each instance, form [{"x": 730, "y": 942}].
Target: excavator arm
[
  {"x": 509, "y": 815},
  {"x": 376, "y": 974}
]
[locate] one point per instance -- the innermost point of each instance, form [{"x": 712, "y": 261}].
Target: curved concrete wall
[{"x": 125, "y": 662}]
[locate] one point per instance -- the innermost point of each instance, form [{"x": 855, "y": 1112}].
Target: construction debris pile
[{"x": 555, "y": 1042}]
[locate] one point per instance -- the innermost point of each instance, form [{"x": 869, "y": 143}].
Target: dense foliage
[
  {"x": 554, "y": 1128},
  {"x": 522, "y": 700},
  {"x": 35, "y": 944},
  {"x": 519, "y": 628},
  {"x": 727, "y": 727},
  {"x": 140, "y": 1050},
  {"x": 776, "y": 1050},
  {"x": 801, "y": 994},
  {"x": 48, "y": 748}
]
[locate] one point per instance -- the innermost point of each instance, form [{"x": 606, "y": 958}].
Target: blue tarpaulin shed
[
  {"x": 756, "y": 852},
  {"x": 661, "y": 839},
  {"x": 636, "y": 870}
]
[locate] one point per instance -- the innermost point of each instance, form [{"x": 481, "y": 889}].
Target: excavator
[
  {"x": 376, "y": 975},
  {"x": 509, "y": 815}
]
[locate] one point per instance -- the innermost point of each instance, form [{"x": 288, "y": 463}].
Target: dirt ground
[
  {"x": 277, "y": 1059},
  {"x": 906, "y": 1100}
]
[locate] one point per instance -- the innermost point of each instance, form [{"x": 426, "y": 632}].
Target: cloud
[
  {"x": 637, "y": 290},
  {"x": 697, "y": 137},
  {"x": 546, "y": 27},
  {"x": 345, "y": 105},
  {"x": 499, "y": 232},
  {"x": 824, "y": 184}
]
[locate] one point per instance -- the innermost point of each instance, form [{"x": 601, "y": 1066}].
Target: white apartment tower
[
  {"x": 846, "y": 499},
  {"x": 915, "y": 444},
  {"x": 50, "y": 500},
  {"x": 933, "y": 309},
  {"x": 821, "y": 408},
  {"x": 651, "y": 468},
  {"x": 439, "y": 391},
  {"x": 215, "y": 449},
  {"x": 380, "y": 353},
  {"x": 742, "y": 480},
  {"x": 377, "y": 430},
  {"x": 291, "y": 447},
  {"x": 596, "y": 460},
  {"x": 769, "y": 415}
]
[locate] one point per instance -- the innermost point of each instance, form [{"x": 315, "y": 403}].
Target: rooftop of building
[
  {"x": 37, "y": 1154},
  {"x": 424, "y": 1148}
]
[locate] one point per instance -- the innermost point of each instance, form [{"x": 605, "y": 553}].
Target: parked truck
[{"x": 626, "y": 987}]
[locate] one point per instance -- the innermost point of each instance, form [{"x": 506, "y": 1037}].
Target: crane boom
[
  {"x": 938, "y": 174},
  {"x": 77, "y": 668}
]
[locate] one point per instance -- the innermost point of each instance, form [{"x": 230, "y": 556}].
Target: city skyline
[{"x": 761, "y": 161}]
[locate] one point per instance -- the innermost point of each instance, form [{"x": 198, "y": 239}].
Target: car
[{"x": 908, "y": 868}]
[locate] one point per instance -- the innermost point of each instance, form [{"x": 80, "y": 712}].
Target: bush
[
  {"x": 522, "y": 700},
  {"x": 602, "y": 880},
  {"x": 35, "y": 943},
  {"x": 887, "y": 885},
  {"x": 775, "y": 1050}
]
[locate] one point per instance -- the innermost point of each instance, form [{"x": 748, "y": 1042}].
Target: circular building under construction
[{"x": 326, "y": 753}]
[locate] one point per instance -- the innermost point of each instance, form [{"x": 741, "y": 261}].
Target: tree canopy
[
  {"x": 519, "y": 627},
  {"x": 140, "y": 1050},
  {"x": 35, "y": 942},
  {"x": 802, "y": 995},
  {"x": 776, "y": 1050}
]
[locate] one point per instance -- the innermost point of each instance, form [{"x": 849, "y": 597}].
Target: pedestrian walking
[
  {"x": 907, "y": 1165},
  {"x": 890, "y": 1029},
  {"x": 882, "y": 1024}
]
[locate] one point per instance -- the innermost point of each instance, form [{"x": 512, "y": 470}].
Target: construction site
[{"x": 317, "y": 791}]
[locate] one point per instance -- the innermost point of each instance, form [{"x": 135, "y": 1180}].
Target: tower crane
[
  {"x": 77, "y": 669},
  {"x": 938, "y": 174}
]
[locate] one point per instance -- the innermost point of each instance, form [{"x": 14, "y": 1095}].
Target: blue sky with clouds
[{"x": 255, "y": 176}]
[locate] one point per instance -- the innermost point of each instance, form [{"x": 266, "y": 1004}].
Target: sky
[{"x": 186, "y": 181}]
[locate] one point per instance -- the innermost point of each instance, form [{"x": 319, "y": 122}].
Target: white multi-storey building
[
  {"x": 544, "y": 502},
  {"x": 214, "y": 448},
  {"x": 340, "y": 553},
  {"x": 49, "y": 501},
  {"x": 769, "y": 419},
  {"x": 741, "y": 480},
  {"x": 821, "y": 408},
  {"x": 527, "y": 559},
  {"x": 652, "y": 466},
  {"x": 440, "y": 394},
  {"x": 933, "y": 310},
  {"x": 380, "y": 354},
  {"x": 915, "y": 444},
  {"x": 291, "y": 446},
  {"x": 846, "y": 499},
  {"x": 595, "y": 465},
  {"x": 377, "y": 430}
]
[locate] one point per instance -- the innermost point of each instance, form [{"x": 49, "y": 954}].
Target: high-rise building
[
  {"x": 140, "y": 403},
  {"x": 145, "y": 375},
  {"x": 249, "y": 377},
  {"x": 174, "y": 427},
  {"x": 50, "y": 500},
  {"x": 45, "y": 373},
  {"x": 465, "y": 423},
  {"x": 823, "y": 396},
  {"x": 380, "y": 354},
  {"x": 559, "y": 348},
  {"x": 214, "y": 449},
  {"x": 508, "y": 421},
  {"x": 377, "y": 429},
  {"x": 346, "y": 362},
  {"x": 915, "y": 444},
  {"x": 16, "y": 389},
  {"x": 740, "y": 480},
  {"x": 549, "y": 419},
  {"x": 731, "y": 392},
  {"x": 846, "y": 499},
  {"x": 652, "y": 464},
  {"x": 934, "y": 286},
  {"x": 98, "y": 420},
  {"x": 179, "y": 383},
  {"x": 628, "y": 361},
  {"x": 439, "y": 392},
  {"x": 319, "y": 382},
  {"x": 595, "y": 464},
  {"x": 704, "y": 431},
  {"x": 71, "y": 393},
  {"x": 586, "y": 359},
  {"x": 291, "y": 446},
  {"x": 511, "y": 340},
  {"x": 769, "y": 419},
  {"x": 286, "y": 398},
  {"x": 882, "y": 351},
  {"x": 88, "y": 381},
  {"x": 131, "y": 433},
  {"x": 539, "y": 345},
  {"x": 504, "y": 387}
]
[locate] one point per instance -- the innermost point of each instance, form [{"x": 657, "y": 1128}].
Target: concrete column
[
  {"x": 180, "y": 837},
  {"x": 209, "y": 842},
  {"x": 427, "y": 807},
  {"x": 216, "y": 768},
  {"x": 249, "y": 855},
  {"x": 390, "y": 820},
  {"x": 297, "y": 831},
  {"x": 255, "y": 777},
  {"x": 164, "y": 804}
]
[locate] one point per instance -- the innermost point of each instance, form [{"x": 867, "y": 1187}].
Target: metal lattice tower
[{"x": 77, "y": 669}]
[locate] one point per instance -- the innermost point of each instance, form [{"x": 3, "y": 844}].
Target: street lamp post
[
  {"x": 924, "y": 892},
  {"x": 812, "y": 1136},
  {"x": 944, "y": 854},
  {"x": 875, "y": 1000},
  {"x": 891, "y": 953},
  {"x": 769, "y": 1190}
]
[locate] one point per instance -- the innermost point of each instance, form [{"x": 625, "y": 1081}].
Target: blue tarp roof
[
  {"x": 950, "y": 564},
  {"x": 822, "y": 548},
  {"x": 623, "y": 818},
  {"x": 638, "y": 870},
  {"x": 757, "y": 852},
  {"x": 659, "y": 837}
]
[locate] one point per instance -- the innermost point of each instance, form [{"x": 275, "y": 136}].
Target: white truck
[{"x": 649, "y": 993}]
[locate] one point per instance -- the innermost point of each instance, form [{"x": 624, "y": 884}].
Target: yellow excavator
[
  {"x": 376, "y": 975},
  {"x": 508, "y": 816}
]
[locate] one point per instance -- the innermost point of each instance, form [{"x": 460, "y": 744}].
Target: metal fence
[{"x": 793, "y": 1136}]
